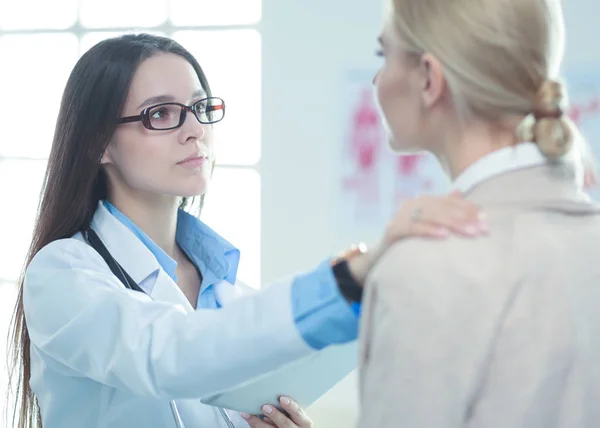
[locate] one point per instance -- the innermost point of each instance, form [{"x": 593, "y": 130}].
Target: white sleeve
[{"x": 82, "y": 318}]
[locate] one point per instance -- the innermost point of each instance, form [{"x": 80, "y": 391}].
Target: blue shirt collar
[{"x": 215, "y": 257}]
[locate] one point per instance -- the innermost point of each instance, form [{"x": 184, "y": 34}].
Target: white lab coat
[{"x": 104, "y": 356}]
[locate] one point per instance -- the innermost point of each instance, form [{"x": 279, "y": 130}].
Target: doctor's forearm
[{"x": 322, "y": 314}]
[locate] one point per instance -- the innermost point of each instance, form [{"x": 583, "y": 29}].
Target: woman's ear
[
  {"x": 105, "y": 159},
  {"x": 432, "y": 79}
]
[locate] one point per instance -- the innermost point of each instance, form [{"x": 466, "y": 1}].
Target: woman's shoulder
[
  {"x": 67, "y": 253},
  {"x": 53, "y": 279},
  {"x": 430, "y": 266}
]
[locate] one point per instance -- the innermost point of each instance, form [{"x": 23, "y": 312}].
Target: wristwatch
[{"x": 350, "y": 288}]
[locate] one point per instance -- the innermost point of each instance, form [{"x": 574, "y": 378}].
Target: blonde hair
[{"x": 500, "y": 58}]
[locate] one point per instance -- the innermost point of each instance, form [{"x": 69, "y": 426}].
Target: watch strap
[{"x": 347, "y": 285}]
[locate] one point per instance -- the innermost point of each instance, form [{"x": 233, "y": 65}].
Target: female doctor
[{"x": 130, "y": 311}]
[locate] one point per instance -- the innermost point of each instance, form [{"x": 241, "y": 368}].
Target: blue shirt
[{"x": 316, "y": 299}]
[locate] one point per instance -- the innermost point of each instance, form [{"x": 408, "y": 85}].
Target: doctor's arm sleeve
[
  {"x": 424, "y": 340},
  {"x": 322, "y": 314},
  {"x": 82, "y": 320}
]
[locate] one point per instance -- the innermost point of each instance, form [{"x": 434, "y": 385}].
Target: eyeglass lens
[{"x": 170, "y": 115}]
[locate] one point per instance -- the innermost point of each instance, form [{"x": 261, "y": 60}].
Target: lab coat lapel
[
  {"x": 133, "y": 256},
  {"x": 136, "y": 259}
]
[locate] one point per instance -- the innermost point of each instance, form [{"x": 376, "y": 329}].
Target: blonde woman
[{"x": 503, "y": 331}]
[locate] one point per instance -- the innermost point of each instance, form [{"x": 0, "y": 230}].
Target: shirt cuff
[{"x": 322, "y": 315}]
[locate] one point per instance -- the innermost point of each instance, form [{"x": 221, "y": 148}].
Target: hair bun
[{"x": 551, "y": 130}]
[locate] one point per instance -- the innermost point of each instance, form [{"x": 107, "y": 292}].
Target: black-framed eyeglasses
[{"x": 165, "y": 116}]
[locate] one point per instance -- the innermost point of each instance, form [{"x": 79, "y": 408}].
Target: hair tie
[
  {"x": 546, "y": 114},
  {"x": 548, "y": 100}
]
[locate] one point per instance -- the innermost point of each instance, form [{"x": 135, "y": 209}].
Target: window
[
  {"x": 220, "y": 53},
  {"x": 123, "y": 14},
  {"x": 36, "y": 15},
  {"x": 212, "y": 12},
  {"x": 31, "y": 90},
  {"x": 225, "y": 37}
]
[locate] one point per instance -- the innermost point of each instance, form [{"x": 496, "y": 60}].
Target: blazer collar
[
  {"x": 550, "y": 187},
  {"x": 507, "y": 159},
  {"x": 515, "y": 158},
  {"x": 521, "y": 175}
]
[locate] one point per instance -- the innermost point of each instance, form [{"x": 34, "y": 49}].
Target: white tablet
[{"x": 305, "y": 381}]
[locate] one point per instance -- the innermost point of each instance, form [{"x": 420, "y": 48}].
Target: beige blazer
[{"x": 497, "y": 332}]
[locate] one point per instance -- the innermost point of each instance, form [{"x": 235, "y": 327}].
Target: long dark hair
[{"x": 74, "y": 183}]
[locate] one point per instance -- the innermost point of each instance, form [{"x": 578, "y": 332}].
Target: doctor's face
[{"x": 174, "y": 162}]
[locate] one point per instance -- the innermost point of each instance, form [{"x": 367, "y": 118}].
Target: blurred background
[{"x": 303, "y": 168}]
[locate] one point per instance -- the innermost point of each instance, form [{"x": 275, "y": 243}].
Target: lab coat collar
[
  {"x": 205, "y": 247},
  {"x": 216, "y": 258},
  {"x": 126, "y": 248}
]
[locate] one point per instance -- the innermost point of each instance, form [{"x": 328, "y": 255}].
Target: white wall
[
  {"x": 581, "y": 20},
  {"x": 307, "y": 46}
]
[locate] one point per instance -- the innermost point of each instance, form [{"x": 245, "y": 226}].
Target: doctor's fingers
[
  {"x": 279, "y": 419},
  {"x": 256, "y": 422},
  {"x": 295, "y": 412}
]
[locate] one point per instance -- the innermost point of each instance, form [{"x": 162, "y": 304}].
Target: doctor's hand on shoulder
[
  {"x": 273, "y": 417},
  {"x": 427, "y": 216}
]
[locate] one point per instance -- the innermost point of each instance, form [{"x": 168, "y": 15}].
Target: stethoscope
[{"x": 95, "y": 242}]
